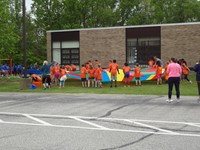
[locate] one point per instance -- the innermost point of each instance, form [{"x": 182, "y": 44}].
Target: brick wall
[
  {"x": 103, "y": 45},
  {"x": 181, "y": 41}
]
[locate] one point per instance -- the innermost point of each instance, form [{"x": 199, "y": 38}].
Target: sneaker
[
  {"x": 169, "y": 100},
  {"x": 198, "y": 100},
  {"x": 178, "y": 100},
  {"x": 190, "y": 82}
]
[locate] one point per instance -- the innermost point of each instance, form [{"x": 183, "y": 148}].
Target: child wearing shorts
[{"x": 137, "y": 74}]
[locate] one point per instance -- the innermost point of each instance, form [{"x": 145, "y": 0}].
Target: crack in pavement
[
  {"x": 118, "y": 108},
  {"x": 110, "y": 112},
  {"x": 128, "y": 144}
]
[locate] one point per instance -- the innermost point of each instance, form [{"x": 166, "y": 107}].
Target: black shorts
[{"x": 83, "y": 79}]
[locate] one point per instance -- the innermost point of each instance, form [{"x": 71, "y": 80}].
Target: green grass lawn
[{"x": 11, "y": 84}]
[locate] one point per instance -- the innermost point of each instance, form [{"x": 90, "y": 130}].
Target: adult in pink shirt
[{"x": 174, "y": 71}]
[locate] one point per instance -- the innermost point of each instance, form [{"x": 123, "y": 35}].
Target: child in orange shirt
[
  {"x": 126, "y": 70},
  {"x": 137, "y": 74},
  {"x": 68, "y": 67},
  {"x": 73, "y": 67},
  {"x": 35, "y": 78},
  {"x": 83, "y": 76},
  {"x": 63, "y": 77},
  {"x": 151, "y": 63},
  {"x": 159, "y": 73},
  {"x": 99, "y": 76},
  {"x": 56, "y": 73},
  {"x": 91, "y": 73},
  {"x": 114, "y": 68},
  {"x": 185, "y": 71},
  {"x": 166, "y": 74}
]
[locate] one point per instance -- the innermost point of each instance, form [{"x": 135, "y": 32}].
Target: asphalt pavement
[{"x": 35, "y": 121}]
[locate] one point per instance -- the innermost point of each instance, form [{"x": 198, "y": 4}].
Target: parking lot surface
[{"x": 97, "y": 122}]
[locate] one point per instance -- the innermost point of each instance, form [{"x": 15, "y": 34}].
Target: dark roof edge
[{"x": 122, "y": 27}]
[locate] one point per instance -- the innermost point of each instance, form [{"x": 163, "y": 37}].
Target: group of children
[
  {"x": 94, "y": 72},
  {"x": 58, "y": 73},
  {"x": 181, "y": 62}
]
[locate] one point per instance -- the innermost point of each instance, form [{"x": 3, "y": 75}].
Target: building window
[
  {"x": 140, "y": 50},
  {"x": 66, "y": 52},
  {"x": 56, "y": 55},
  {"x": 70, "y": 56}
]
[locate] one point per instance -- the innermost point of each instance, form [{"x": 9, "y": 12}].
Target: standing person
[
  {"x": 99, "y": 76},
  {"x": 151, "y": 62},
  {"x": 114, "y": 68},
  {"x": 156, "y": 59},
  {"x": 159, "y": 73},
  {"x": 56, "y": 73},
  {"x": 97, "y": 63},
  {"x": 83, "y": 76},
  {"x": 165, "y": 72},
  {"x": 197, "y": 70},
  {"x": 91, "y": 74},
  {"x": 63, "y": 77},
  {"x": 174, "y": 70},
  {"x": 185, "y": 71},
  {"x": 46, "y": 80},
  {"x": 126, "y": 70},
  {"x": 73, "y": 67},
  {"x": 137, "y": 74}
]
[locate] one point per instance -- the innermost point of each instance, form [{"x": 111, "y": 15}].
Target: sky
[{"x": 28, "y": 4}]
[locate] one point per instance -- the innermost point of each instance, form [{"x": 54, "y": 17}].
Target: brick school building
[{"x": 125, "y": 44}]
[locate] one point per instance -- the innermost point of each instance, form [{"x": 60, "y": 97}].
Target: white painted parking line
[
  {"x": 1, "y": 120},
  {"x": 90, "y": 123},
  {"x": 100, "y": 129},
  {"x": 152, "y": 127},
  {"x": 96, "y": 118},
  {"x": 192, "y": 124},
  {"x": 36, "y": 119},
  {"x": 5, "y": 102}
]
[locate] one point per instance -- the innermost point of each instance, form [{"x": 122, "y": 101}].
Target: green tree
[{"x": 8, "y": 35}]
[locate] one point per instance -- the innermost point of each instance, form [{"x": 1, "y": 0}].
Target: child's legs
[
  {"x": 62, "y": 80},
  {"x": 125, "y": 81},
  {"x": 186, "y": 77}
]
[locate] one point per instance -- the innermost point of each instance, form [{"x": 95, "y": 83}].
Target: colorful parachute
[{"x": 146, "y": 74}]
